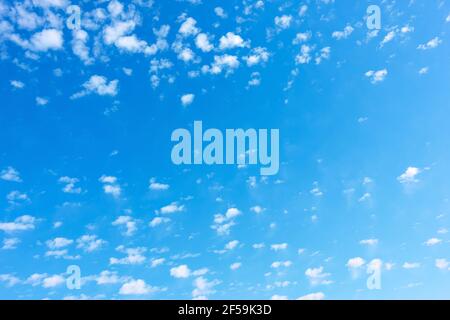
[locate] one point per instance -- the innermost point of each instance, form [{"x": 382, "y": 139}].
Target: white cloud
[
  {"x": 388, "y": 38},
  {"x": 355, "y": 262},
  {"x": 79, "y": 45},
  {"x": 10, "y": 243},
  {"x": 158, "y": 220},
  {"x": 181, "y": 271},
  {"x": 58, "y": 243},
  {"x": 433, "y": 241},
  {"x": 156, "y": 262},
  {"x": 279, "y": 246},
  {"x": 442, "y": 264},
  {"x": 369, "y": 242},
  {"x": 50, "y": 3},
  {"x": 134, "y": 256},
  {"x": 423, "y": 70},
  {"x": 187, "y": 99},
  {"x": 304, "y": 57},
  {"x": 156, "y": 186},
  {"x": 202, "y": 42},
  {"x": 52, "y": 281},
  {"x": 230, "y": 41},
  {"x": 21, "y": 223},
  {"x": 224, "y": 62},
  {"x": 188, "y": 27},
  {"x": 36, "y": 279},
  {"x": 376, "y": 76},
  {"x": 324, "y": 54},
  {"x": 313, "y": 296},
  {"x": 343, "y": 34},
  {"x": 136, "y": 287},
  {"x": 257, "y": 209},
  {"x": 409, "y": 176},
  {"x": 278, "y": 264},
  {"x": 283, "y": 21},
  {"x": 411, "y": 265},
  {"x": 203, "y": 288},
  {"x": 115, "y": 8},
  {"x": 110, "y": 186},
  {"x": 257, "y": 55},
  {"x": 128, "y": 222},
  {"x": 10, "y": 174},
  {"x": 98, "y": 85},
  {"x": 89, "y": 243},
  {"x": 69, "y": 185},
  {"x": 40, "y": 101},
  {"x": 220, "y": 12},
  {"x": 107, "y": 277},
  {"x": 17, "y": 84},
  {"x": 48, "y": 39},
  {"x": 172, "y": 208},
  {"x": 231, "y": 245},
  {"x": 223, "y": 223},
  {"x": 9, "y": 279},
  {"x": 120, "y": 28},
  {"x": 301, "y": 37},
  {"x": 317, "y": 276},
  {"x": 235, "y": 266},
  {"x": 433, "y": 43}
]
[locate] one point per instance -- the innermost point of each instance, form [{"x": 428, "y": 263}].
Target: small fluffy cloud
[
  {"x": 369, "y": 242},
  {"x": 48, "y": 39},
  {"x": 136, "y": 287},
  {"x": 110, "y": 186},
  {"x": 433, "y": 242},
  {"x": 235, "y": 266},
  {"x": 69, "y": 185},
  {"x": 134, "y": 256},
  {"x": 10, "y": 243},
  {"x": 411, "y": 265},
  {"x": 230, "y": 41},
  {"x": 316, "y": 276},
  {"x": 156, "y": 186},
  {"x": 442, "y": 264},
  {"x": 98, "y": 85},
  {"x": 355, "y": 262},
  {"x": 187, "y": 99},
  {"x": 10, "y": 174},
  {"x": 89, "y": 243},
  {"x": 313, "y": 296},
  {"x": 58, "y": 243},
  {"x": 22, "y": 223},
  {"x": 157, "y": 221},
  {"x": 188, "y": 27},
  {"x": 181, "y": 271},
  {"x": 279, "y": 246},
  {"x": 283, "y": 22},
  {"x": 433, "y": 43},
  {"x": 224, "y": 222},
  {"x": 257, "y": 55},
  {"x": 172, "y": 208},
  {"x": 376, "y": 76},
  {"x": 409, "y": 176},
  {"x": 202, "y": 42},
  {"x": 128, "y": 222},
  {"x": 343, "y": 34},
  {"x": 53, "y": 281}
]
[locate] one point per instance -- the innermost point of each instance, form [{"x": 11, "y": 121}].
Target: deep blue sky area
[{"x": 88, "y": 106}]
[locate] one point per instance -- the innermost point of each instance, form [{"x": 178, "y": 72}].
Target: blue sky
[{"x": 86, "y": 176}]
